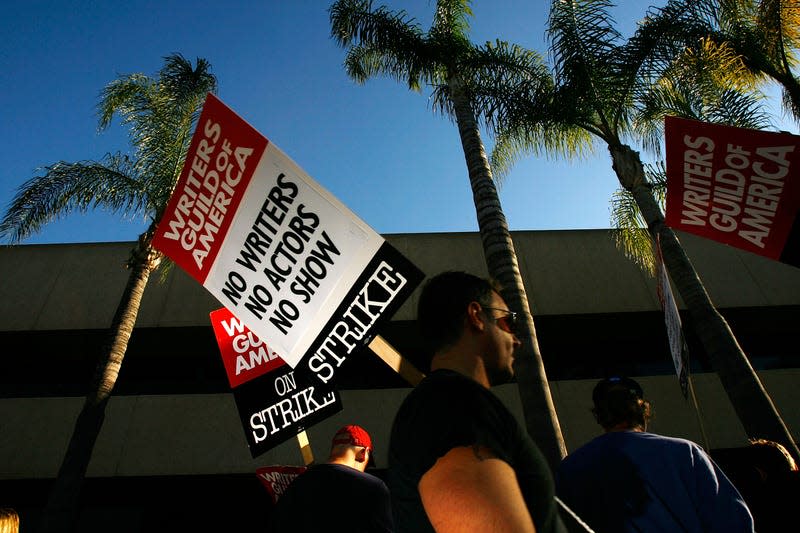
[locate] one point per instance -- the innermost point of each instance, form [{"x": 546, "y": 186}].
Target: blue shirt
[{"x": 630, "y": 481}]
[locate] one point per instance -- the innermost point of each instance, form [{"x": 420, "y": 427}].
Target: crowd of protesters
[{"x": 460, "y": 461}]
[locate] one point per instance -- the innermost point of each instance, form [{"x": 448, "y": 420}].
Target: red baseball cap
[{"x": 354, "y": 435}]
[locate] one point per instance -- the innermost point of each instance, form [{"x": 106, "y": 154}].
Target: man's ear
[
  {"x": 475, "y": 318},
  {"x": 361, "y": 455}
]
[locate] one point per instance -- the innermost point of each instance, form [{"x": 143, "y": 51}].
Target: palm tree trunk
[
  {"x": 501, "y": 259},
  {"x": 750, "y": 400},
  {"x": 61, "y": 512}
]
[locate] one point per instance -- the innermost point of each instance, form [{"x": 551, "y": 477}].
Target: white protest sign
[
  {"x": 276, "y": 248},
  {"x": 672, "y": 320}
]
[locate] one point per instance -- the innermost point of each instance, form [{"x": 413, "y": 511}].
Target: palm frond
[
  {"x": 380, "y": 42},
  {"x": 508, "y": 149},
  {"x": 181, "y": 83},
  {"x": 631, "y": 235},
  {"x": 584, "y": 48},
  {"x": 582, "y": 36},
  {"x": 780, "y": 22},
  {"x": 790, "y": 104},
  {"x": 701, "y": 84},
  {"x": 160, "y": 115},
  {"x": 356, "y": 22},
  {"x": 553, "y": 140},
  {"x": 364, "y": 62},
  {"x": 765, "y": 34},
  {"x": 451, "y": 17},
  {"x": 503, "y": 77},
  {"x": 126, "y": 97},
  {"x": 64, "y": 188},
  {"x": 661, "y": 36}
]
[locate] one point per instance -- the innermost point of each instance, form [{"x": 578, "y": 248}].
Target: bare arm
[{"x": 471, "y": 490}]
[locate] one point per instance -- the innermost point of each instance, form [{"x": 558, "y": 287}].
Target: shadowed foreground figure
[
  {"x": 338, "y": 495},
  {"x": 458, "y": 459},
  {"x": 768, "y": 478},
  {"x": 628, "y": 480}
]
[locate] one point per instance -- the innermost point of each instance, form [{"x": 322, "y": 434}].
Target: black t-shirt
[
  {"x": 448, "y": 410},
  {"x": 332, "y": 497}
]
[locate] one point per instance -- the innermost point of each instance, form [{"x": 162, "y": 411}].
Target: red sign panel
[
  {"x": 244, "y": 355},
  {"x": 219, "y": 165},
  {"x": 733, "y": 185},
  {"x": 276, "y": 479}
]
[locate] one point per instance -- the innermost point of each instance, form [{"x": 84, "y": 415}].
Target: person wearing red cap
[
  {"x": 458, "y": 458},
  {"x": 338, "y": 495},
  {"x": 628, "y": 480}
]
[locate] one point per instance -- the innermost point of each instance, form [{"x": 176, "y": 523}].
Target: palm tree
[
  {"x": 381, "y": 42},
  {"x": 161, "y": 114},
  {"x": 600, "y": 81},
  {"x": 764, "y": 35}
]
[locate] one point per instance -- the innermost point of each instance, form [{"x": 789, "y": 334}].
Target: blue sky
[{"x": 378, "y": 147}]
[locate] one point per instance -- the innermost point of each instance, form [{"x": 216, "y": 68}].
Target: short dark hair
[
  {"x": 620, "y": 400},
  {"x": 443, "y": 305}
]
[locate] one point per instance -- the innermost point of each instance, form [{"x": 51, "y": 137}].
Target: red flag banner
[{"x": 734, "y": 185}]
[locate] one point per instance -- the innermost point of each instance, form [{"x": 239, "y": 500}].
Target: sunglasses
[{"x": 508, "y": 322}]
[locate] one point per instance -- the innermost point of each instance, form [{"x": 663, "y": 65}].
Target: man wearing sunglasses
[{"x": 458, "y": 458}]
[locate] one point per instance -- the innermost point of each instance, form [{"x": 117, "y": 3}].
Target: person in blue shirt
[{"x": 628, "y": 480}]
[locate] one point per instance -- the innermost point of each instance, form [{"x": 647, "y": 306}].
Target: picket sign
[
  {"x": 264, "y": 384},
  {"x": 294, "y": 268},
  {"x": 396, "y": 362},
  {"x": 285, "y": 256}
]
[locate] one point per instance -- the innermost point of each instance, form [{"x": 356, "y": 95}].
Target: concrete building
[{"x": 172, "y": 453}]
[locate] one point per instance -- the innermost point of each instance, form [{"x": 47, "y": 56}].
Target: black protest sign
[
  {"x": 386, "y": 282},
  {"x": 277, "y": 406}
]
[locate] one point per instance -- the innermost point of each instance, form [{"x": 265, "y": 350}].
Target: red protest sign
[
  {"x": 276, "y": 479},
  {"x": 733, "y": 185},
  {"x": 244, "y": 355}
]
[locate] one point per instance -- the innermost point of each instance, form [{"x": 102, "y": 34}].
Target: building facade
[{"x": 172, "y": 431}]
